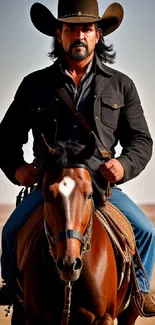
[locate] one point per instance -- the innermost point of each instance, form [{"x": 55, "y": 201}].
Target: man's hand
[
  {"x": 112, "y": 170},
  {"x": 26, "y": 175}
]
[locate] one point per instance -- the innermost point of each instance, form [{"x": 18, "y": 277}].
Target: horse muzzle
[{"x": 69, "y": 268}]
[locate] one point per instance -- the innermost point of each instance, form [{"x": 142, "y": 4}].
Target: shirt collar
[{"x": 64, "y": 70}]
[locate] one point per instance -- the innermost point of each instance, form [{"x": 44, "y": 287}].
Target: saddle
[
  {"x": 118, "y": 228},
  {"x": 121, "y": 235}
]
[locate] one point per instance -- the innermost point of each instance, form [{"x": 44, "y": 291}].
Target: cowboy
[{"x": 109, "y": 102}]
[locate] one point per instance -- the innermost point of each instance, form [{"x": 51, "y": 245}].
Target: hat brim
[{"x": 46, "y": 23}]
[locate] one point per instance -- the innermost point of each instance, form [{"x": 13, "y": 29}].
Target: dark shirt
[{"x": 69, "y": 128}]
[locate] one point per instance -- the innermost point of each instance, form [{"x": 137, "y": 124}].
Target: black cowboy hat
[{"x": 76, "y": 11}]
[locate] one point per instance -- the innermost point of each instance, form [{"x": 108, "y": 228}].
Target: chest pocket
[
  {"x": 38, "y": 110},
  {"x": 110, "y": 110},
  {"x": 44, "y": 112},
  {"x": 39, "y": 115}
]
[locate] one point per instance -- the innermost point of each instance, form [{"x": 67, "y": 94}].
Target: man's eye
[
  {"x": 70, "y": 29},
  {"x": 87, "y": 30}
]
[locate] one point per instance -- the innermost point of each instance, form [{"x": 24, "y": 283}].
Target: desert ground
[{"x": 5, "y": 211}]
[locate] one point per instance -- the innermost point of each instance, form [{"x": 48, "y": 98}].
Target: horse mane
[{"x": 67, "y": 155}]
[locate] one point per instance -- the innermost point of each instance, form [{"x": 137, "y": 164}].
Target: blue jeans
[{"x": 142, "y": 227}]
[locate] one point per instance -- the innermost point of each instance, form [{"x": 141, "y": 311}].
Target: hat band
[{"x": 78, "y": 14}]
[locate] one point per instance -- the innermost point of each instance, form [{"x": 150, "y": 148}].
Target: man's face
[{"x": 78, "y": 41}]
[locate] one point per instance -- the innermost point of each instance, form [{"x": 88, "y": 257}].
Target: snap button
[{"x": 115, "y": 106}]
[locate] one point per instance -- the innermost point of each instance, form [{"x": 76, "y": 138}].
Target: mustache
[{"x": 78, "y": 43}]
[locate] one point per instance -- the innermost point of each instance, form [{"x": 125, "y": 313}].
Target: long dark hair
[{"x": 105, "y": 53}]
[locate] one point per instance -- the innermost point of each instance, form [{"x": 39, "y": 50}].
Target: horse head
[{"x": 68, "y": 206}]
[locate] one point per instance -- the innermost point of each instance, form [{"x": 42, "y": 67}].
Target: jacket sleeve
[
  {"x": 14, "y": 130},
  {"x": 134, "y": 135}
]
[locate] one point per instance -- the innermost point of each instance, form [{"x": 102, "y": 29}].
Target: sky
[{"x": 23, "y": 49}]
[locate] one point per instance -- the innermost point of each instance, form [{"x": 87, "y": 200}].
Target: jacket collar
[{"x": 105, "y": 69}]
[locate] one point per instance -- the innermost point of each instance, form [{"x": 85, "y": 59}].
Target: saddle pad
[
  {"x": 119, "y": 222},
  {"x": 28, "y": 236}
]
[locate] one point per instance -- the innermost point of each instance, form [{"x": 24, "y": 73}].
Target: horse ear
[
  {"x": 88, "y": 151},
  {"x": 44, "y": 148}
]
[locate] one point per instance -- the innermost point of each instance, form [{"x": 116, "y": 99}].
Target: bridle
[{"x": 70, "y": 233}]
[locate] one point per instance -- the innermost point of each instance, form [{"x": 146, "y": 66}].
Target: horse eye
[{"x": 88, "y": 196}]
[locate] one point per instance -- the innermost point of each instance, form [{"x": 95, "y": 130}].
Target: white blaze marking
[{"x": 66, "y": 187}]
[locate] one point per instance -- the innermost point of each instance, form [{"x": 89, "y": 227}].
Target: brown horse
[{"x": 72, "y": 275}]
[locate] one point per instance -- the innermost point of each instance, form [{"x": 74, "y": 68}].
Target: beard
[{"x": 78, "y": 51}]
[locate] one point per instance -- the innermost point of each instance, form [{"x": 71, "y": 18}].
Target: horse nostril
[
  {"x": 61, "y": 264},
  {"x": 77, "y": 264}
]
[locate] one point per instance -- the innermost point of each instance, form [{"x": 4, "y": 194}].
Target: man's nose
[{"x": 79, "y": 34}]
